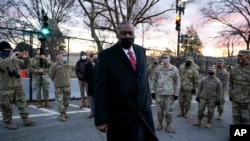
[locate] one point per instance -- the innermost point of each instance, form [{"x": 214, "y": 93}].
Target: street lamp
[{"x": 180, "y": 7}]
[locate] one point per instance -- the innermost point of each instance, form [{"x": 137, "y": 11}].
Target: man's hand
[
  {"x": 175, "y": 97},
  {"x": 217, "y": 102},
  {"x": 198, "y": 99},
  {"x": 193, "y": 91},
  {"x": 40, "y": 70},
  {"x": 153, "y": 95},
  {"x": 103, "y": 128},
  {"x": 230, "y": 98},
  {"x": 42, "y": 56}
]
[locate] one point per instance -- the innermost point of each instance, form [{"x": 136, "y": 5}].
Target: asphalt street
[{"x": 79, "y": 128}]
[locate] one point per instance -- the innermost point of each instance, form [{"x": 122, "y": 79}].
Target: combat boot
[
  {"x": 10, "y": 125},
  {"x": 168, "y": 128},
  {"x": 186, "y": 114},
  {"x": 46, "y": 104},
  {"x": 198, "y": 123},
  {"x": 39, "y": 104},
  {"x": 181, "y": 113},
  {"x": 62, "y": 117},
  {"x": 209, "y": 124},
  {"x": 28, "y": 122},
  {"x": 159, "y": 126},
  {"x": 219, "y": 116}
]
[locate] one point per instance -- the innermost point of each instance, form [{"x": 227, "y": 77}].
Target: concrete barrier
[{"x": 75, "y": 90}]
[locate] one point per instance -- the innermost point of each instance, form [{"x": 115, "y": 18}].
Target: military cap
[
  {"x": 155, "y": 58},
  {"x": 164, "y": 55},
  {"x": 83, "y": 53},
  {"x": 211, "y": 68},
  {"x": 244, "y": 52},
  {"x": 189, "y": 58},
  {"x": 220, "y": 61},
  {"x": 4, "y": 45},
  {"x": 61, "y": 52}
]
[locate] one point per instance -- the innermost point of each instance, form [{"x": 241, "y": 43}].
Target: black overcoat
[
  {"x": 89, "y": 75},
  {"x": 122, "y": 97}
]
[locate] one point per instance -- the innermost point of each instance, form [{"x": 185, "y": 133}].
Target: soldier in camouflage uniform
[
  {"x": 11, "y": 90},
  {"x": 239, "y": 89},
  {"x": 189, "y": 82},
  {"x": 40, "y": 78},
  {"x": 223, "y": 76},
  {"x": 151, "y": 69},
  {"x": 59, "y": 73},
  {"x": 209, "y": 94},
  {"x": 166, "y": 86}
]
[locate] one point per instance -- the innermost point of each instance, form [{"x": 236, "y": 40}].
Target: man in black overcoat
[{"x": 122, "y": 98}]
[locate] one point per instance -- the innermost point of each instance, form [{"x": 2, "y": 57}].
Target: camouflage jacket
[
  {"x": 151, "y": 69},
  {"x": 166, "y": 81},
  {"x": 60, "y": 74},
  {"x": 223, "y": 75},
  {"x": 189, "y": 77},
  {"x": 210, "y": 87},
  {"x": 239, "y": 84},
  {"x": 35, "y": 66},
  {"x": 8, "y": 65}
]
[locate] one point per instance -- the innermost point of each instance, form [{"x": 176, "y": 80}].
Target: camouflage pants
[
  {"x": 241, "y": 113},
  {"x": 220, "y": 108},
  {"x": 210, "y": 104},
  {"x": 14, "y": 96},
  {"x": 164, "y": 105},
  {"x": 62, "y": 97},
  {"x": 185, "y": 99},
  {"x": 44, "y": 84}
]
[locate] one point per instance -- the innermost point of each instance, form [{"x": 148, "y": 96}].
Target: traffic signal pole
[
  {"x": 180, "y": 7},
  {"x": 178, "y": 28}
]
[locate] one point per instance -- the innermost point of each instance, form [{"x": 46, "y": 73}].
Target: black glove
[
  {"x": 198, "y": 99},
  {"x": 217, "y": 102},
  {"x": 153, "y": 95},
  {"x": 175, "y": 97},
  {"x": 193, "y": 91},
  {"x": 230, "y": 98}
]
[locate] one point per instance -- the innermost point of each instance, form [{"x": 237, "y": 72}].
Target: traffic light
[
  {"x": 178, "y": 23},
  {"x": 45, "y": 26}
]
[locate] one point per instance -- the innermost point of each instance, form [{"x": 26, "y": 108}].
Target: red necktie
[{"x": 132, "y": 59}]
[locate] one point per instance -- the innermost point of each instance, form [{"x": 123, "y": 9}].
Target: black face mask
[
  {"x": 210, "y": 73},
  {"x": 188, "y": 64},
  {"x": 155, "y": 63},
  {"x": 127, "y": 42},
  {"x": 5, "y": 53}
]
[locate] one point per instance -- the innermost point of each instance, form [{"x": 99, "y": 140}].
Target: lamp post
[{"x": 180, "y": 7}]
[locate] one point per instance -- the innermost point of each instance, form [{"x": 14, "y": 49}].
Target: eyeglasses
[{"x": 124, "y": 33}]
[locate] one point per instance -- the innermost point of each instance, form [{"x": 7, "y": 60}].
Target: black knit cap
[
  {"x": 83, "y": 53},
  {"x": 4, "y": 45}
]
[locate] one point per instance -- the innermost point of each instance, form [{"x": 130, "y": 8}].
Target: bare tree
[
  {"x": 228, "y": 41},
  {"x": 106, "y": 14},
  {"x": 225, "y": 12},
  {"x": 23, "y": 14}
]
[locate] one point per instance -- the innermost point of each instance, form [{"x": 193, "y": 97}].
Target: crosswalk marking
[
  {"x": 53, "y": 113},
  {"x": 50, "y": 112}
]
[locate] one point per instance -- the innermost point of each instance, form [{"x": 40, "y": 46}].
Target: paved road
[{"x": 80, "y": 128}]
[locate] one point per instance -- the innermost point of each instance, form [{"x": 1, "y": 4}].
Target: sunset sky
[{"x": 167, "y": 35}]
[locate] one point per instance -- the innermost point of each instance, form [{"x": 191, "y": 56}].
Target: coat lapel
[{"x": 123, "y": 57}]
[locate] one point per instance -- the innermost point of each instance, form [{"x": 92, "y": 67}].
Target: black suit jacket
[{"x": 122, "y": 96}]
